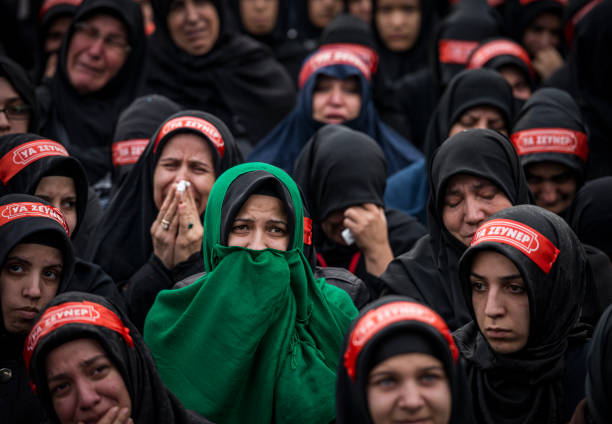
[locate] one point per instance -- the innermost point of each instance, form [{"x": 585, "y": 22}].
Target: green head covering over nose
[{"x": 257, "y": 339}]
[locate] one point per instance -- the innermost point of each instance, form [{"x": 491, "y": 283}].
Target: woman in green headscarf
[{"x": 257, "y": 339}]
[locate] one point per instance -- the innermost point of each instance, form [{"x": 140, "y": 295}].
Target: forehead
[
  {"x": 56, "y": 183},
  {"x": 397, "y": 3},
  {"x": 407, "y": 363},
  {"x": 270, "y": 206},
  {"x": 467, "y": 181},
  {"x": 7, "y": 91},
  {"x": 485, "y": 111},
  {"x": 37, "y": 253},
  {"x": 188, "y": 145},
  {"x": 547, "y": 20},
  {"x": 547, "y": 169},
  {"x": 512, "y": 72},
  {"x": 74, "y": 350},
  {"x": 489, "y": 262},
  {"x": 107, "y": 24}
]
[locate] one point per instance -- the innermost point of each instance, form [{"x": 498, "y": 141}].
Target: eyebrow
[
  {"x": 273, "y": 220},
  {"x": 504, "y": 278},
  {"x": 84, "y": 364}
]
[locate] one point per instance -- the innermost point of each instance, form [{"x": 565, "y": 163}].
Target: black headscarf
[
  {"x": 20, "y": 81},
  {"x": 234, "y": 80},
  {"x": 429, "y": 271},
  {"x": 591, "y": 214},
  {"x": 523, "y": 13},
  {"x": 549, "y": 128},
  {"x": 339, "y": 168},
  {"x": 35, "y": 157},
  {"x": 527, "y": 386},
  {"x": 152, "y": 402},
  {"x": 84, "y": 123},
  {"x": 135, "y": 126},
  {"x": 469, "y": 89},
  {"x": 599, "y": 371},
  {"x": 391, "y": 326},
  {"x": 123, "y": 241}
]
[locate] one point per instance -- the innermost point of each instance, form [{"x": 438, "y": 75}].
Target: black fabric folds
[
  {"x": 233, "y": 81},
  {"x": 152, "y": 402},
  {"x": 123, "y": 239},
  {"x": 351, "y": 393},
  {"x": 428, "y": 272},
  {"x": 599, "y": 371},
  {"x": 469, "y": 89},
  {"x": 528, "y": 386},
  {"x": 20, "y": 81},
  {"x": 84, "y": 123}
]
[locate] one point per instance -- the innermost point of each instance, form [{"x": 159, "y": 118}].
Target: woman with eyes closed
[
  {"x": 400, "y": 364},
  {"x": 150, "y": 235},
  {"x": 474, "y": 174},
  {"x": 37, "y": 263},
  {"x": 277, "y": 330},
  {"x": 93, "y": 367},
  {"x": 524, "y": 278}
]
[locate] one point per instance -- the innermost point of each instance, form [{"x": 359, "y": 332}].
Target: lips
[
  {"x": 498, "y": 333},
  {"x": 28, "y": 312},
  {"x": 84, "y": 67},
  {"x": 335, "y": 118}
]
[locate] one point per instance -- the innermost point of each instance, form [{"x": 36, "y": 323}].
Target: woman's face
[
  {"x": 468, "y": 201},
  {"x": 500, "y": 301},
  {"x": 185, "y": 157},
  {"x": 15, "y": 115},
  {"x": 260, "y": 224},
  {"x": 29, "y": 279},
  {"x": 60, "y": 192},
  {"x": 398, "y": 23},
  {"x": 322, "y": 12},
  {"x": 98, "y": 49},
  {"x": 259, "y": 16},
  {"x": 83, "y": 382},
  {"x": 480, "y": 117},
  {"x": 412, "y": 387},
  {"x": 334, "y": 100},
  {"x": 194, "y": 25},
  {"x": 553, "y": 185}
]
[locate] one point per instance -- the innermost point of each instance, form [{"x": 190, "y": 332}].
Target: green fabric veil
[{"x": 258, "y": 338}]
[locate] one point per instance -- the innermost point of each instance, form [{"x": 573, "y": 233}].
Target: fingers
[{"x": 115, "y": 415}]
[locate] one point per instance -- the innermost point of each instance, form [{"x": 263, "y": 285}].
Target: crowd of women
[{"x": 305, "y": 211}]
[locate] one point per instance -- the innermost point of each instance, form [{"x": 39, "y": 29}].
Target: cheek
[
  {"x": 439, "y": 400},
  {"x": 202, "y": 185},
  {"x": 48, "y": 292},
  {"x": 65, "y": 408},
  {"x": 161, "y": 178},
  {"x": 318, "y": 102},
  {"x": 380, "y": 404},
  {"x": 354, "y": 102},
  {"x": 451, "y": 219}
]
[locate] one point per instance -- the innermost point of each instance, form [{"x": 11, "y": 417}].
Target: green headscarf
[{"x": 257, "y": 339}]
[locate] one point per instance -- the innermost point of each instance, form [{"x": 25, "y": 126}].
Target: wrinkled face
[
  {"x": 98, "y": 49},
  {"x": 468, "y": 201},
  {"x": 321, "y": 12},
  {"x": 194, "y": 25},
  {"x": 409, "y": 388},
  {"x": 61, "y": 193},
  {"x": 16, "y": 116},
  {"x": 517, "y": 80},
  {"x": 480, "y": 117},
  {"x": 335, "y": 101},
  {"x": 260, "y": 224},
  {"x": 185, "y": 157},
  {"x": 259, "y": 16},
  {"x": 29, "y": 279},
  {"x": 361, "y": 8},
  {"x": 398, "y": 23},
  {"x": 56, "y": 32},
  {"x": 543, "y": 33},
  {"x": 83, "y": 382},
  {"x": 500, "y": 301},
  {"x": 552, "y": 184}
]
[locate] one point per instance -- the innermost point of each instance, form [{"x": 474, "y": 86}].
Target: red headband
[
  {"x": 524, "y": 2},
  {"x": 201, "y": 125},
  {"x": 12, "y": 211},
  {"x": 455, "y": 51},
  {"x": 390, "y": 313},
  {"x": 127, "y": 152},
  {"x": 21, "y": 156},
  {"x": 73, "y": 313},
  {"x": 337, "y": 54},
  {"x": 551, "y": 140},
  {"x": 571, "y": 24},
  {"x": 496, "y": 48},
  {"x": 307, "y": 231},
  {"x": 530, "y": 242}
]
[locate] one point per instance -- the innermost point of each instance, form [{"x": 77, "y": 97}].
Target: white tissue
[
  {"x": 182, "y": 185},
  {"x": 347, "y": 236}
]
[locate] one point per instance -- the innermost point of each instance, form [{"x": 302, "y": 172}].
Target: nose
[
  {"x": 336, "y": 97},
  {"x": 88, "y": 397},
  {"x": 396, "y": 18},
  {"x": 191, "y": 11},
  {"x": 474, "y": 213},
  {"x": 257, "y": 240},
  {"x": 5, "y": 124},
  {"x": 95, "y": 49},
  {"x": 494, "y": 307},
  {"x": 548, "y": 193},
  {"x": 31, "y": 288},
  {"x": 410, "y": 397},
  {"x": 259, "y": 4},
  {"x": 481, "y": 123}
]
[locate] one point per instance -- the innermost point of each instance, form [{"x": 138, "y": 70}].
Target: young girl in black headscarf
[
  {"x": 472, "y": 175},
  {"x": 400, "y": 362},
  {"x": 23, "y": 106},
  {"x": 524, "y": 278},
  {"x": 37, "y": 263},
  {"x": 81, "y": 337}
]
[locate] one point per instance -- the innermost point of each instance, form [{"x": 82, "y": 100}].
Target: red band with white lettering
[
  {"x": 496, "y": 48},
  {"x": 525, "y": 2},
  {"x": 127, "y": 152},
  {"x": 307, "y": 231},
  {"x": 333, "y": 55},
  {"x": 368, "y": 55},
  {"x": 21, "y": 156},
  {"x": 530, "y": 242},
  {"x": 390, "y": 313},
  {"x": 207, "y": 129},
  {"x": 13, "y": 211},
  {"x": 551, "y": 140},
  {"x": 570, "y": 27},
  {"x": 455, "y": 51},
  {"x": 73, "y": 313},
  {"x": 48, "y": 4}
]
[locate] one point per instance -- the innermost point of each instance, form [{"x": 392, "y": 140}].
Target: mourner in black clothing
[{"x": 17, "y": 99}]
